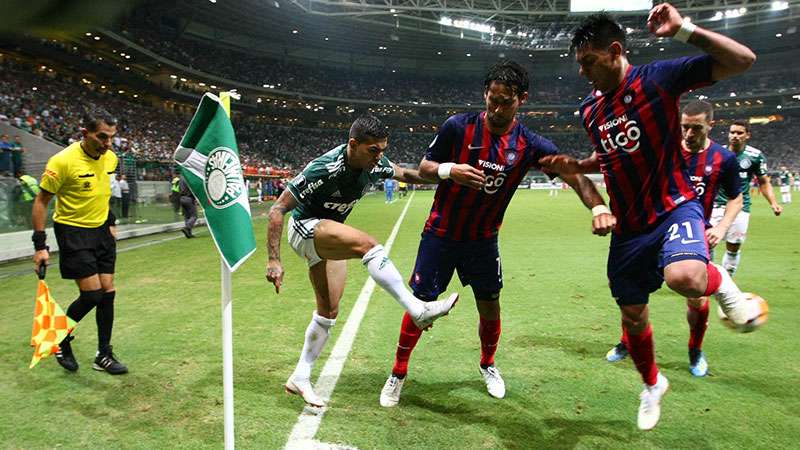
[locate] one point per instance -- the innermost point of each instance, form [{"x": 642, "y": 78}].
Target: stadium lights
[
  {"x": 213, "y": 87},
  {"x": 779, "y": 107},
  {"x": 295, "y": 31},
  {"x": 733, "y": 94},
  {"x": 467, "y": 25},
  {"x": 88, "y": 34},
  {"x": 779, "y": 35},
  {"x": 469, "y": 54},
  {"x": 780, "y": 6},
  {"x": 326, "y": 38},
  {"x": 174, "y": 77},
  {"x": 97, "y": 38},
  {"x": 438, "y": 53}
]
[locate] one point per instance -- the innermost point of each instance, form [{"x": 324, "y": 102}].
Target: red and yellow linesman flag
[{"x": 50, "y": 324}]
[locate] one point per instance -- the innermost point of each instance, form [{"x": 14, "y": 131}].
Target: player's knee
[
  {"x": 686, "y": 281},
  {"x": 635, "y": 316},
  {"x": 365, "y": 244}
]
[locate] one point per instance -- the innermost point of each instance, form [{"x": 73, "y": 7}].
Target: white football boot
[
  {"x": 650, "y": 406},
  {"x": 390, "y": 394},
  {"x": 731, "y": 300},
  {"x": 494, "y": 381},
  {"x": 434, "y": 310},
  {"x": 304, "y": 389}
]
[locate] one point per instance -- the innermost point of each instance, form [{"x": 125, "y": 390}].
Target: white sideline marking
[{"x": 302, "y": 436}]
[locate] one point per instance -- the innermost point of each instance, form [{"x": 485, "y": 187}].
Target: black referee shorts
[{"x": 85, "y": 251}]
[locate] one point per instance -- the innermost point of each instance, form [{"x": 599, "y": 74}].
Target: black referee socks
[
  {"x": 105, "y": 320},
  {"x": 83, "y": 304}
]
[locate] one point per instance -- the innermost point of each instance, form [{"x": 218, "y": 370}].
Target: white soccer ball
[{"x": 761, "y": 314}]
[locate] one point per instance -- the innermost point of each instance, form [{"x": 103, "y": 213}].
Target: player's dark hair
[
  {"x": 509, "y": 73},
  {"x": 92, "y": 120},
  {"x": 599, "y": 31},
  {"x": 742, "y": 123},
  {"x": 698, "y": 107},
  {"x": 368, "y": 127}
]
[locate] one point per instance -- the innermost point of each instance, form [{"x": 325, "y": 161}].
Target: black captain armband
[{"x": 39, "y": 239}]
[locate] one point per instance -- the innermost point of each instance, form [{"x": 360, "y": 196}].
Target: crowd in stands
[
  {"x": 399, "y": 86},
  {"x": 51, "y": 105}
]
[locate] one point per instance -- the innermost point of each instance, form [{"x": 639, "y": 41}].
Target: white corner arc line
[{"x": 308, "y": 422}]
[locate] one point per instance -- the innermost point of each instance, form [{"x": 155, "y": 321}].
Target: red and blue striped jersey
[
  {"x": 636, "y": 132},
  {"x": 461, "y": 213},
  {"x": 710, "y": 170}
]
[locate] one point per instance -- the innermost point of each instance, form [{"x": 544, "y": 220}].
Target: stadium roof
[{"x": 387, "y": 32}]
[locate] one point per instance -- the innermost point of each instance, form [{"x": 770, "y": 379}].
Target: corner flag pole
[{"x": 227, "y": 331}]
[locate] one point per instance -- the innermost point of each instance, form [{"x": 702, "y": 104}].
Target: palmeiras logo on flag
[{"x": 223, "y": 183}]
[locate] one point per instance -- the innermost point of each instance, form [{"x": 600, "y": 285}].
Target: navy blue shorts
[
  {"x": 636, "y": 262},
  {"x": 477, "y": 264}
]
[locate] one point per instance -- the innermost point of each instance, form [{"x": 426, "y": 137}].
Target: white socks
[
  {"x": 731, "y": 261},
  {"x": 317, "y": 335},
  {"x": 384, "y": 273}
]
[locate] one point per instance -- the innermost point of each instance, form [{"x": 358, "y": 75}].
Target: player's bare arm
[
  {"x": 567, "y": 165},
  {"x": 765, "y": 187},
  {"x": 279, "y": 209},
  {"x": 39, "y": 219},
  {"x": 412, "y": 176},
  {"x": 716, "y": 234},
  {"x": 603, "y": 222},
  {"x": 462, "y": 174},
  {"x": 730, "y": 57}
]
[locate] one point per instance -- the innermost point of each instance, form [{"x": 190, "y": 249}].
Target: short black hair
[
  {"x": 698, "y": 107},
  {"x": 742, "y": 123},
  {"x": 598, "y": 30},
  {"x": 509, "y": 73},
  {"x": 92, "y": 120},
  {"x": 368, "y": 127}
]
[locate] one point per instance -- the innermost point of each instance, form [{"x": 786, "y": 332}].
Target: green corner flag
[{"x": 209, "y": 160}]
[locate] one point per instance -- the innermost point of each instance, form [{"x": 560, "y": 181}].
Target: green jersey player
[
  {"x": 786, "y": 185},
  {"x": 320, "y": 199},
  {"x": 752, "y": 163}
]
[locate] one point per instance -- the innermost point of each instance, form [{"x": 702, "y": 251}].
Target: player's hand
[
  {"x": 467, "y": 175},
  {"x": 113, "y": 230},
  {"x": 275, "y": 274},
  {"x": 39, "y": 258},
  {"x": 715, "y": 235},
  {"x": 777, "y": 209},
  {"x": 561, "y": 164},
  {"x": 664, "y": 20},
  {"x": 602, "y": 224}
]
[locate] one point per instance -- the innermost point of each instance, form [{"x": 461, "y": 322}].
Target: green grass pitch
[{"x": 558, "y": 322}]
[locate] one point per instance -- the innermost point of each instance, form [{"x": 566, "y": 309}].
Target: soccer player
[
  {"x": 631, "y": 116},
  {"x": 79, "y": 177},
  {"x": 752, "y": 164},
  {"x": 321, "y": 198},
  {"x": 786, "y": 185},
  {"x": 481, "y": 158},
  {"x": 188, "y": 207},
  {"x": 711, "y": 167}
]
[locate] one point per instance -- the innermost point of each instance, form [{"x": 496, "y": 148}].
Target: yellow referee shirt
[{"x": 82, "y": 186}]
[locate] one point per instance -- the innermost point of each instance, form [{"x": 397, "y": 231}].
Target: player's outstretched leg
[
  {"x": 383, "y": 271},
  {"x": 697, "y": 317},
  {"x": 338, "y": 241},
  {"x": 689, "y": 278}
]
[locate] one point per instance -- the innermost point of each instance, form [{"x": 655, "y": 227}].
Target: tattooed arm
[{"x": 282, "y": 205}]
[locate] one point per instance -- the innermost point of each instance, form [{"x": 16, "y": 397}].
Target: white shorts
[
  {"x": 301, "y": 238},
  {"x": 785, "y": 189},
  {"x": 738, "y": 230}
]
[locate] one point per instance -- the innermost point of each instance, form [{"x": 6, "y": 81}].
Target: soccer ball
[{"x": 762, "y": 314}]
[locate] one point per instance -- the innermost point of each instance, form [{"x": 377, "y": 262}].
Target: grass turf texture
[{"x": 558, "y": 322}]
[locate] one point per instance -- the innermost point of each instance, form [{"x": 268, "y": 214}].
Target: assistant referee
[{"x": 79, "y": 177}]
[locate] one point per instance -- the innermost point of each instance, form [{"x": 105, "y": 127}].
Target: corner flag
[
  {"x": 50, "y": 324},
  {"x": 210, "y": 159}
]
